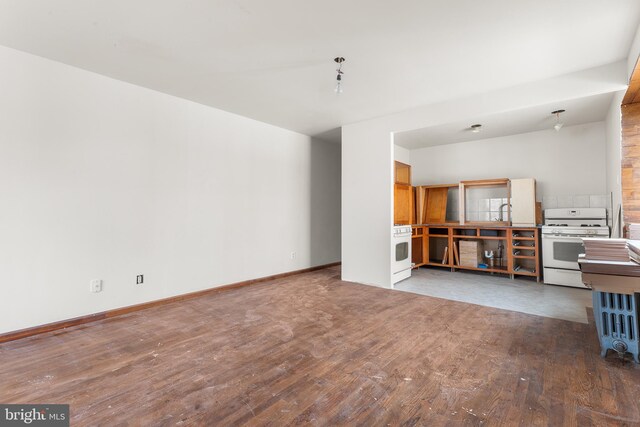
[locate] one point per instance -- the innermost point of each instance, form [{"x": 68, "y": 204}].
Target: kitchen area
[
  {"x": 490, "y": 242},
  {"x": 456, "y": 212}
]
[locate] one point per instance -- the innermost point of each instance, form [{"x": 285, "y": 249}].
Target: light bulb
[
  {"x": 338, "y": 88},
  {"x": 558, "y": 124}
]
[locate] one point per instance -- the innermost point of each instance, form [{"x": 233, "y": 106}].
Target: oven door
[
  {"x": 561, "y": 251},
  {"x": 403, "y": 254}
]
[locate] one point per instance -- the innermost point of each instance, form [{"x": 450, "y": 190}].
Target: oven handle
[{"x": 551, "y": 236}]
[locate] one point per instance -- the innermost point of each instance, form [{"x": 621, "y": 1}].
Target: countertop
[{"x": 488, "y": 226}]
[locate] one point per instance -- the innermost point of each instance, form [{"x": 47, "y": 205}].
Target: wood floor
[{"x": 310, "y": 349}]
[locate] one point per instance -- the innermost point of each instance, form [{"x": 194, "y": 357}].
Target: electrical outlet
[
  {"x": 293, "y": 255},
  {"x": 95, "y": 286},
  {"x": 139, "y": 279}
]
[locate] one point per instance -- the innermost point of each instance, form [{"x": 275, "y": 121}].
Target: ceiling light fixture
[
  {"x": 558, "y": 124},
  {"x": 476, "y": 128},
  {"x": 339, "y": 60}
]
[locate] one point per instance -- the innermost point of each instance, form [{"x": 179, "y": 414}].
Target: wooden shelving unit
[
  {"x": 436, "y": 243},
  {"x": 525, "y": 252},
  {"x": 520, "y": 248},
  {"x": 417, "y": 246}
]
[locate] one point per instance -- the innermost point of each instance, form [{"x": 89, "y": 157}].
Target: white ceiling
[
  {"x": 273, "y": 60},
  {"x": 578, "y": 111}
]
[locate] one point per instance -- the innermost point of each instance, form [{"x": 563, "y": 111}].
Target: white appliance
[
  {"x": 401, "y": 267},
  {"x": 562, "y": 235}
]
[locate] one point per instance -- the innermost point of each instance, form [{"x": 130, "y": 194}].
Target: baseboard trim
[{"x": 36, "y": 330}]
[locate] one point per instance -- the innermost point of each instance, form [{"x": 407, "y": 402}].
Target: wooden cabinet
[
  {"x": 402, "y": 204},
  {"x": 515, "y": 250},
  {"x": 494, "y": 240},
  {"x": 417, "y": 246},
  {"x": 523, "y": 202},
  {"x": 403, "y": 195},
  {"x": 402, "y": 173}
]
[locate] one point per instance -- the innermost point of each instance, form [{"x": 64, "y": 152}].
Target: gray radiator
[{"x": 616, "y": 317}]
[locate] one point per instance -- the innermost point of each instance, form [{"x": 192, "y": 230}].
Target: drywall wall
[
  {"x": 105, "y": 180},
  {"x": 366, "y": 221},
  {"x": 634, "y": 53},
  {"x": 402, "y": 154},
  {"x": 367, "y": 174},
  {"x": 569, "y": 162},
  {"x": 613, "y": 152}
]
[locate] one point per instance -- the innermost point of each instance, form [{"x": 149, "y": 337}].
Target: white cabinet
[{"x": 523, "y": 202}]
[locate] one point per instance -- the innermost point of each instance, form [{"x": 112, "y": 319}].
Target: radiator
[{"x": 616, "y": 317}]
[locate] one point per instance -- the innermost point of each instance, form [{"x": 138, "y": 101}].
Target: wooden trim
[
  {"x": 438, "y": 186},
  {"x": 632, "y": 95},
  {"x": 36, "y": 330},
  {"x": 480, "y": 182},
  {"x": 630, "y": 163}
]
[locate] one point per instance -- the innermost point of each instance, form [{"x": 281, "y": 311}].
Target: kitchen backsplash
[
  {"x": 486, "y": 206},
  {"x": 484, "y": 203},
  {"x": 581, "y": 201}
]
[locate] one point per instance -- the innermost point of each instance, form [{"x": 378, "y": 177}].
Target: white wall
[
  {"x": 569, "y": 162},
  {"x": 634, "y": 53},
  {"x": 367, "y": 194},
  {"x": 402, "y": 154},
  {"x": 101, "y": 179},
  {"x": 367, "y": 159},
  {"x": 614, "y": 166}
]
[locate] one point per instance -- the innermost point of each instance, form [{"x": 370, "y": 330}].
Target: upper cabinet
[
  {"x": 402, "y": 173},
  {"x": 403, "y": 204},
  {"x": 524, "y": 209},
  {"x": 403, "y": 195}
]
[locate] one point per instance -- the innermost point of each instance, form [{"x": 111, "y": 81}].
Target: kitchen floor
[{"x": 524, "y": 296}]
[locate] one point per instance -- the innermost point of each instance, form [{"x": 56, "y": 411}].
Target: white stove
[{"x": 562, "y": 235}]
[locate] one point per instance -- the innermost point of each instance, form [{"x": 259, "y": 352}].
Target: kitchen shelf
[
  {"x": 525, "y": 256},
  {"x": 526, "y": 273},
  {"x": 480, "y": 237},
  {"x": 436, "y": 263},
  {"x": 525, "y": 239}
]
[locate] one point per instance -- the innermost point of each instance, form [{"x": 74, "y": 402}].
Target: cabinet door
[
  {"x": 402, "y": 204},
  {"x": 436, "y": 205},
  {"x": 402, "y": 173},
  {"x": 523, "y": 202}
]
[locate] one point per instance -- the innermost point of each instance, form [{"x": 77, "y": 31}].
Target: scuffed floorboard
[{"x": 310, "y": 349}]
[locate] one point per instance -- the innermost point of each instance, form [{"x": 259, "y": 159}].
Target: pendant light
[
  {"x": 558, "y": 124},
  {"x": 339, "y": 60}
]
